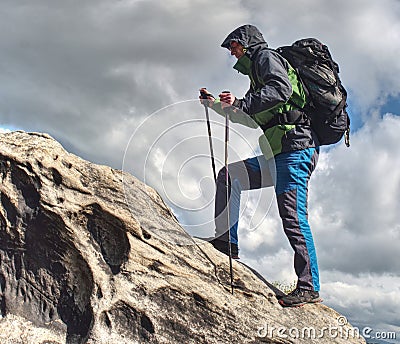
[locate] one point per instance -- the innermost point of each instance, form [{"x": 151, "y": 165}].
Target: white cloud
[
  {"x": 78, "y": 72},
  {"x": 89, "y": 73},
  {"x": 79, "y": 75},
  {"x": 367, "y": 300},
  {"x": 355, "y": 200},
  {"x": 363, "y": 36}
]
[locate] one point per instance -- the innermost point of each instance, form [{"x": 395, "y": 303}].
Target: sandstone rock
[{"x": 88, "y": 254}]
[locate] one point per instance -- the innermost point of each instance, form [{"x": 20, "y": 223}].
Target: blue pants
[{"x": 289, "y": 173}]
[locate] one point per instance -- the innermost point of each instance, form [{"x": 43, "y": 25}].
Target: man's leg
[
  {"x": 248, "y": 174},
  {"x": 293, "y": 173}
]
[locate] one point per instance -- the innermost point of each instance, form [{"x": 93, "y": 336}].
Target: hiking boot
[
  {"x": 299, "y": 297},
  {"x": 222, "y": 246}
]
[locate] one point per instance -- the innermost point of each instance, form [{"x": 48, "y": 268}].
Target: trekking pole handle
[
  {"x": 227, "y": 106},
  {"x": 204, "y": 94}
]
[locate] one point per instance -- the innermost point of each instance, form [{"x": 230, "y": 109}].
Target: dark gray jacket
[{"x": 274, "y": 89}]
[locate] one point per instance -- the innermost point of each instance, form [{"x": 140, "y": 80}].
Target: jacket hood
[{"x": 248, "y": 36}]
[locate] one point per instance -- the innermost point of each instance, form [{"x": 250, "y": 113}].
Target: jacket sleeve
[
  {"x": 235, "y": 115},
  {"x": 272, "y": 73}
]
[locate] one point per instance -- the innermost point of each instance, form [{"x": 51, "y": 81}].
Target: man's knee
[{"x": 287, "y": 204}]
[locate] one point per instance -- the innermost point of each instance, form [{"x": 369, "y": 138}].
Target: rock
[{"x": 88, "y": 254}]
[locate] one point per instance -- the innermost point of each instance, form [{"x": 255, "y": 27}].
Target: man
[{"x": 275, "y": 92}]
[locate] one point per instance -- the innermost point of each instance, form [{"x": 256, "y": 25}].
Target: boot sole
[{"x": 297, "y": 305}]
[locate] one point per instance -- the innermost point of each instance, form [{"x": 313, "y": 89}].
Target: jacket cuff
[{"x": 237, "y": 103}]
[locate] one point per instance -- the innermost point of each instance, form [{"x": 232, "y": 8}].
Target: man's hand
[
  {"x": 206, "y": 98},
  {"x": 227, "y": 99}
]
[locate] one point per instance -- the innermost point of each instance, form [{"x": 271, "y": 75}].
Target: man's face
[{"x": 236, "y": 49}]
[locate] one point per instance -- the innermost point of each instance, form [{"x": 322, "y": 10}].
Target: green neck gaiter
[{"x": 243, "y": 65}]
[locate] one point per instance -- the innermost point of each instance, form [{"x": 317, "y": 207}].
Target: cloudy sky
[{"x": 102, "y": 78}]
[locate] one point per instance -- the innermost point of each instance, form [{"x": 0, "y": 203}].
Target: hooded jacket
[{"x": 274, "y": 89}]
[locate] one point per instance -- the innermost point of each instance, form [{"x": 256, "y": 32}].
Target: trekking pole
[
  {"x": 204, "y": 95},
  {"x": 226, "y": 110}
]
